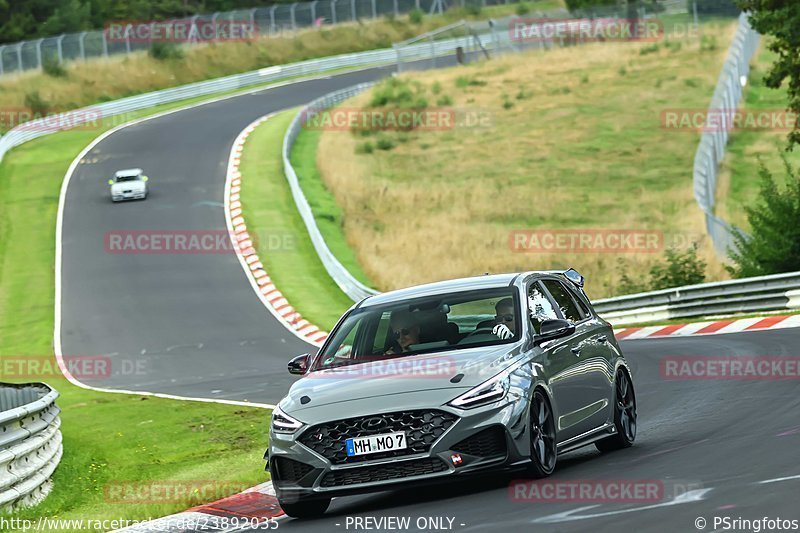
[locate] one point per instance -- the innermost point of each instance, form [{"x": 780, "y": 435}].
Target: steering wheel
[{"x": 481, "y": 331}]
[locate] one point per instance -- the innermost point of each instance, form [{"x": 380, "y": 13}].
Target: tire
[
  {"x": 624, "y": 416},
  {"x": 544, "y": 452},
  {"x": 305, "y": 508}
]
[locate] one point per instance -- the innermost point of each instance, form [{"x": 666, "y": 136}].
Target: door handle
[
  {"x": 576, "y": 351},
  {"x": 602, "y": 339}
]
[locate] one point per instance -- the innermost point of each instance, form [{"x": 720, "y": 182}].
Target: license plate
[{"x": 376, "y": 443}]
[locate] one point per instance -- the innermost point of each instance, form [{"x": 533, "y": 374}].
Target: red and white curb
[
  {"x": 270, "y": 296},
  {"x": 241, "y": 511},
  {"x": 709, "y": 328}
]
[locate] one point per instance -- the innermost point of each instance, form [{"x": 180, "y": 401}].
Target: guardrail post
[
  {"x": 291, "y": 14},
  {"x": 374, "y": 10},
  {"x": 2, "y": 51},
  {"x": 19, "y": 56},
  {"x": 128, "y": 38},
  {"x": 353, "y": 10},
  {"x": 82, "y": 45},
  {"x": 396, "y": 8},
  {"x": 59, "y": 48},
  {"x": 253, "y": 21},
  {"x": 272, "y": 29},
  {"x": 105, "y": 44},
  {"x": 314, "y": 12},
  {"x": 333, "y": 11},
  {"x": 39, "y": 53},
  {"x": 416, "y": 4}
]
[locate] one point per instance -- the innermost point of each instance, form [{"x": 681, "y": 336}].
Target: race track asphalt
[{"x": 183, "y": 324}]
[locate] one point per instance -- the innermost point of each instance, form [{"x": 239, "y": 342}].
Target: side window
[
  {"x": 568, "y": 307},
  {"x": 581, "y": 304},
  {"x": 539, "y": 307}
]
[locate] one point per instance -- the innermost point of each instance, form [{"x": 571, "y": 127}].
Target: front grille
[
  {"x": 367, "y": 474},
  {"x": 422, "y": 429},
  {"x": 289, "y": 470},
  {"x": 490, "y": 442}
]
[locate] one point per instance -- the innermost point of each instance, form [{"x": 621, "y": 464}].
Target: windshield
[
  {"x": 121, "y": 179},
  {"x": 437, "y": 323}
]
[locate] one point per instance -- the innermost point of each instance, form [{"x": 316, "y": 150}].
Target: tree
[
  {"x": 774, "y": 242},
  {"x": 781, "y": 20}
]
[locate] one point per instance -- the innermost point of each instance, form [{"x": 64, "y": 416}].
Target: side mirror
[
  {"x": 554, "y": 329},
  {"x": 111, "y": 182},
  {"x": 299, "y": 365}
]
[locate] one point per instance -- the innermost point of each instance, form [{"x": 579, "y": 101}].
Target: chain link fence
[{"x": 711, "y": 149}]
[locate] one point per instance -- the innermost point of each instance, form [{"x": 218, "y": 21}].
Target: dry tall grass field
[
  {"x": 102, "y": 79},
  {"x": 575, "y": 143}
]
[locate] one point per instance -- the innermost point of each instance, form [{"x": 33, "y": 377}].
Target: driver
[
  {"x": 406, "y": 330},
  {"x": 505, "y": 327}
]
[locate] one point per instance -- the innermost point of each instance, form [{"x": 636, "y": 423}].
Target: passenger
[
  {"x": 506, "y": 326},
  {"x": 406, "y": 331}
]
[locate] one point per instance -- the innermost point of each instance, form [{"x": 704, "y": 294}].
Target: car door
[
  {"x": 585, "y": 375},
  {"x": 559, "y": 362}
]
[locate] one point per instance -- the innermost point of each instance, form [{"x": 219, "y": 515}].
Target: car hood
[
  {"x": 412, "y": 374},
  {"x": 135, "y": 186}
]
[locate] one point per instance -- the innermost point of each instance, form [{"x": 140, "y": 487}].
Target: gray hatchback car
[{"x": 448, "y": 379}]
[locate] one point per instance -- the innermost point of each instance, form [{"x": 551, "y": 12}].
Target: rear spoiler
[{"x": 571, "y": 275}]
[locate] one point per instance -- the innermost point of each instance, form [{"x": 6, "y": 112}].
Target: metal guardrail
[
  {"x": 353, "y": 288},
  {"x": 711, "y": 150},
  {"x": 764, "y": 293},
  {"x": 30, "y": 443}
]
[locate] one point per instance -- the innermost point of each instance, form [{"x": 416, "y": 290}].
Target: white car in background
[{"x": 128, "y": 184}]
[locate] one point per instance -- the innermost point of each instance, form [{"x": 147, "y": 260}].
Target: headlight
[
  {"x": 489, "y": 391},
  {"x": 283, "y": 423}
]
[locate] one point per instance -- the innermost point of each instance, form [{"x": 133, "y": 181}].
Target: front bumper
[
  {"x": 490, "y": 437},
  {"x": 128, "y": 196}
]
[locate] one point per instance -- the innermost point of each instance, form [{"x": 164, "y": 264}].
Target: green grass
[
  {"x": 739, "y": 181},
  {"x": 268, "y": 206},
  {"x": 108, "y": 438},
  {"x": 327, "y": 213}
]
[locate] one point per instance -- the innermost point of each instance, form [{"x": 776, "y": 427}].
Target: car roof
[
  {"x": 491, "y": 281},
  {"x": 128, "y": 172}
]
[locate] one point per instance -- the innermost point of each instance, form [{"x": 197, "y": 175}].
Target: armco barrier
[
  {"x": 764, "y": 293},
  {"x": 30, "y": 443}
]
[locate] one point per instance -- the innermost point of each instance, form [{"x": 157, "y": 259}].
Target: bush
[
  {"x": 398, "y": 92},
  {"x": 444, "y": 100},
  {"x": 415, "y": 16},
  {"x": 53, "y": 68},
  {"x": 774, "y": 242},
  {"x": 364, "y": 148},
  {"x": 473, "y": 9},
  {"x": 37, "y": 104},
  {"x": 523, "y": 9},
  {"x": 385, "y": 143},
  {"x": 165, "y": 51},
  {"x": 681, "y": 268},
  {"x": 708, "y": 43}
]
